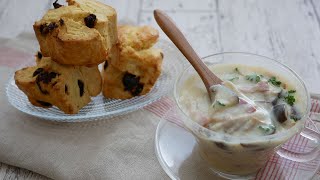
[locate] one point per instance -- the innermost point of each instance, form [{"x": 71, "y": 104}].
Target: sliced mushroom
[
  {"x": 280, "y": 112},
  {"x": 295, "y": 114}
]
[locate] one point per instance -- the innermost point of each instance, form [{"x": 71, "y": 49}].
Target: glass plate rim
[{"x": 166, "y": 46}]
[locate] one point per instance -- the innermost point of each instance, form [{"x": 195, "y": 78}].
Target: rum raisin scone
[
  {"x": 91, "y": 75},
  {"x": 136, "y": 67},
  {"x": 106, "y": 17},
  {"x": 49, "y": 83},
  {"x": 75, "y": 35}
]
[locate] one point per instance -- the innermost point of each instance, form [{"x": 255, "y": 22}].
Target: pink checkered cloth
[{"x": 276, "y": 168}]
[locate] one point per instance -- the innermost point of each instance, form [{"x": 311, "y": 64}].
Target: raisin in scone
[
  {"x": 75, "y": 35},
  {"x": 134, "y": 66},
  {"x": 67, "y": 87},
  {"x": 91, "y": 75},
  {"x": 106, "y": 17}
]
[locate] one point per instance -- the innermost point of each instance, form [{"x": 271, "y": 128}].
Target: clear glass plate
[
  {"x": 177, "y": 152},
  {"x": 100, "y": 107}
]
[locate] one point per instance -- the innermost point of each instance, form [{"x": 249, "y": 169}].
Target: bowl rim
[{"x": 248, "y": 139}]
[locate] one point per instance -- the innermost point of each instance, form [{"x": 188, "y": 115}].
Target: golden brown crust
[
  {"x": 133, "y": 66},
  {"x": 137, "y": 37},
  {"x": 63, "y": 86},
  {"x": 85, "y": 49},
  {"x": 106, "y": 15},
  {"x": 72, "y": 42}
]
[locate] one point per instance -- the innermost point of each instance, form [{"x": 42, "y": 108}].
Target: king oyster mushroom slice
[{"x": 280, "y": 112}]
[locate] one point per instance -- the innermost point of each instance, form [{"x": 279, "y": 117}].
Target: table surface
[{"x": 286, "y": 30}]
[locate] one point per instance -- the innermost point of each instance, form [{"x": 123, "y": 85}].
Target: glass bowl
[{"x": 241, "y": 157}]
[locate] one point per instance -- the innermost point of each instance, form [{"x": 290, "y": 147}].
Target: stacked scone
[
  {"x": 134, "y": 65},
  {"x": 73, "y": 41}
]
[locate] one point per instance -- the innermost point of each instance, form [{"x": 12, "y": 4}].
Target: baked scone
[
  {"x": 77, "y": 34},
  {"x": 106, "y": 17},
  {"x": 91, "y": 75},
  {"x": 67, "y": 87},
  {"x": 134, "y": 66}
]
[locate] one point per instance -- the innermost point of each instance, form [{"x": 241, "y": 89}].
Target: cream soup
[{"x": 265, "y": 104}]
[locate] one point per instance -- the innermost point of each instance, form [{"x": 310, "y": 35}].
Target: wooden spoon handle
[{"x": 168, "y": 26}]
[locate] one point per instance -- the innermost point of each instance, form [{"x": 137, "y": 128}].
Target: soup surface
[{"x": 259, "y": 103}]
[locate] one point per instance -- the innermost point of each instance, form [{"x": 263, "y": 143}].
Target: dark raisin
[
  {"x": 90, "y": 20},
  {"x": 40, "y": 88},
  {"x": 45, "y": 104},
  {"x": 37, "y": 71},
  {"x": 44, "y": 29},
  {"x": 61, "y": 21},
  {"x": 161, "y": 55},
  {"x": 39, "y": 55},
  {"x": 81, "y": 86},
  {"x": 136, "y": 91},
  {"x": 66, "y": 89},
  {"x": 56, "y": 5},
  {"x": 105, "y": 65},
  {"x": 46, "y": 77},
  {"x": 52, "y": 25},
  {"x": 130, "y": 81}
]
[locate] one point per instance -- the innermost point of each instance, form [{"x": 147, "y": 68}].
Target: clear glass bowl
[
  {"x": 242, "y": 157},
  {"x": 100, "y": 107}
]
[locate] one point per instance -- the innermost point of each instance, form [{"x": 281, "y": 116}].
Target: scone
[
  {"x": 67, "y": 87},
  {"x": 91, "y": 75},
  {"x": 106, "y": 17},
  {"x": 77, "y": 35},
  {"x": 134, "y": 66}
]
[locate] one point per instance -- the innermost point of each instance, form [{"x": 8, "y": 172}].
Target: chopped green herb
[
  {"x": 220, "y": 103},
  {"x": 267, "y": 129},
  {"x": 295, "y": 118},
  {"x": 236, "y": 70},
  {"x": 274, "y": 81},
  {"x": 254, "y": 78},
  {"x": 291, "y": 91},
  {"x": 234, "y": 78},
  {"x": 290, "y": 99}
]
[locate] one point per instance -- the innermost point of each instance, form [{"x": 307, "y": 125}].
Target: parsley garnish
[
  {"x": 292, "y": 91},
  {"x": 236, "y": 70},
  {"x": 254, "y": 78},
  {"x": 268, "y": 129},
  {"x": 290, "y": 99},
  {"x": 295, "y": 118},
  {"x": 274, "y": 81},
  {"x": 234, "y": 78}
]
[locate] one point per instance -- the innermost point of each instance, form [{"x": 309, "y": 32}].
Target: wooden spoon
[
  {"x": 217, "y": 92},
  {"x": 172, "y": 31}
]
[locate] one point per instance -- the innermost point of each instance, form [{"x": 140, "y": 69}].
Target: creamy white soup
[{"x": 263, "y": 104}]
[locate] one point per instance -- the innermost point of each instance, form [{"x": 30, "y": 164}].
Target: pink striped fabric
[
  {"x": 277, "y": 167},
  {"x": 13, "y": 58}
]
